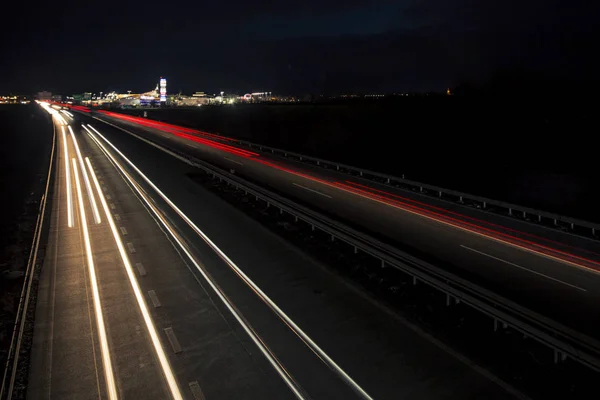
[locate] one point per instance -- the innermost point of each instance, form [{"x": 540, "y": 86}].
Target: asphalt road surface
[
  {"x": 152, "y": 287},
  {"x": 551, "y": 272}
]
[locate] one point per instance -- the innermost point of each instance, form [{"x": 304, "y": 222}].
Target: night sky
[{"x": 326, "y": 46}]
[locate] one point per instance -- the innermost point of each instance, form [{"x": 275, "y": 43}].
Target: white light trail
[
  {"x": 68, "y": 176},
  {"x": 111, "y": 387},
  {"x": 60, "y": 118},
  {"x": 54, "y": 113},
  {"x": 267, "y": 300},
  {"x": 67, "y": 113},
  {"x": 86, "y": 179},
  {"x": 164, "y": 362},
  {"x": 47, "y": 107}
]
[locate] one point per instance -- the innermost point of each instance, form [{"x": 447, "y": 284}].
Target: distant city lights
[{"x": 158, "y": 97}]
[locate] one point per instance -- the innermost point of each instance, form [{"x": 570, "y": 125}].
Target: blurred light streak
[{"x": 111, "y": 386}]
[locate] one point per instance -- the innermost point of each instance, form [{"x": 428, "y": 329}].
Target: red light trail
[
  {"x": 180, "y": 132},
  {"x": 471, "y": 224}
]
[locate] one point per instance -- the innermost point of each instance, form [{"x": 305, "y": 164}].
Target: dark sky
[{"x": 326, "y": 46}]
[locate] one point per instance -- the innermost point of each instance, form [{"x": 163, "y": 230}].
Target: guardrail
[
  {"x": 524, "y": 213},
  {"x": 575, "y": 226},
  {"x": 12, "y": 359},
  {"x": 565, "y": 342}
]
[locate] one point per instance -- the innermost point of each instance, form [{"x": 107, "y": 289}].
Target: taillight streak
[
  {"x": 165, "y": 125},
  {"x": 471, "y": 227},
  {"x": 207, "y": 142},
  {"x": 477, "y": 220}
]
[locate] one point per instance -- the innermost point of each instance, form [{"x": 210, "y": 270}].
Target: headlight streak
[
  {"x": 60, "y": 118},
  {"x": 68, "y": 178},
  {"x": 164, "y": 362},
  {"x": 86, "y": 179},
  {"x": 111, "y": 387},
  {"x": 67, "y": 114}
]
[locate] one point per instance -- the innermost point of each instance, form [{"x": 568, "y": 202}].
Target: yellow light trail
[
  {"x": 68, "y": 176},
  {"x": 86, "y": 179},
  {"x": 67, "y": 114},
  {"x": 164, "y": 362},
  {"x": 111, "y": 387},
  {"x": 60, "y": 118}
]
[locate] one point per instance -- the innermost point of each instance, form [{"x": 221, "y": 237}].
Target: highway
[
  {"x": 551, "y": 272},
  {"x": 152, "y": 287}
]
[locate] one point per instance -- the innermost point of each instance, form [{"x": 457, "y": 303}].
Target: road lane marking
[
  {"x": 112, "y": 206},
  {"x": 196, "y": 390},
  {"x": 68, "y": 176},
  {"x": 108, "y": 197},
  {"x": 523, "y": 268},
  {"x": 307, "y": 340},
  {"x": 173, "y": 340},
  {"x": 141, "y": 269},
  {"x": 160, "y": 353},
  {"x": 312, "y": 190},
  {"x": 154, "y": 298},
  {"x": 123, "y": 230},
  {"x": 131, "y": 248},
  {"x": 86, "y": 179},
  {"x": 111, "y": 386},
  {"x": 117, "y": 217},
  {"x": 233, "y": 161}
]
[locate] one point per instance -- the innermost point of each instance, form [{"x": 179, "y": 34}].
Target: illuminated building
[
  {"x": 186, "y": 101},
  {"x": 13, "y": 99},
  {"x": 132, "y": 101},
  {"x": 163, "y": 89},
  {"x": 257, "y": 97}
]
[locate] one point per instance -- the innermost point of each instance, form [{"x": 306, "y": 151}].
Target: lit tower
[{"x": 163, "y": 90}]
